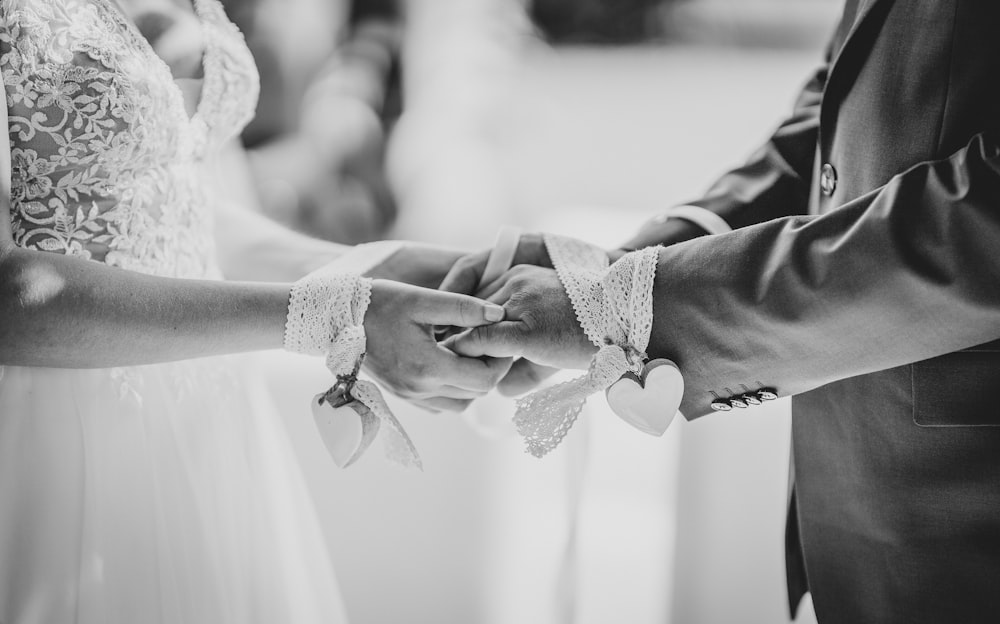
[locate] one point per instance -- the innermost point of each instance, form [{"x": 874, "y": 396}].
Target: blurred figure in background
[{"x": 331, "y": 66}]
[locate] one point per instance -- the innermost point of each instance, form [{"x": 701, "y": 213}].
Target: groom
[{"x": 863, "y": 280}]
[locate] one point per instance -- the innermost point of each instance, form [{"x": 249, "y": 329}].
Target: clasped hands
[{"x": 536, "y": 334}]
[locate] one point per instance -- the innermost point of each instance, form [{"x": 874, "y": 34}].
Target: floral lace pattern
[{"x": 106, "y": 163}]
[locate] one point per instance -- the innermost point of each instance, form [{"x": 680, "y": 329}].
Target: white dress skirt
[
  {"x": 155, "y": 494},
  {"x": 164, "y": 494}
]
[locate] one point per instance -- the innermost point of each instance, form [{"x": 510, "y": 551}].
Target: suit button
[
  {"x": 751, "y": 398},
  {"x": 721, "y": 405},
  {"x": 828, "y": 179},
  {"x": 767, "y": 394}
]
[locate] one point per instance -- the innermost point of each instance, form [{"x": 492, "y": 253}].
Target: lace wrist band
[
  {"x": 326, "y": 313},
  {"x": 321, "y": 304},
  {"x": 614, "y": 306}
]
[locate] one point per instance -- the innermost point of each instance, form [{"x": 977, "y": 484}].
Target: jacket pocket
[{"x": 960, "y": 389}]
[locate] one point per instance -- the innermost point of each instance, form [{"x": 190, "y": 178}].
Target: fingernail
[{"x": 493, "y": 313}]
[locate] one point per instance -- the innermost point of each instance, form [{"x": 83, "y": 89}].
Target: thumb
[
  {"x": 443, "y": 308},
  {"x": 498, "y": 340}
]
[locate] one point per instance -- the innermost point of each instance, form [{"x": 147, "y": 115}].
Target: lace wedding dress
[{"x": 152, "y": 494}]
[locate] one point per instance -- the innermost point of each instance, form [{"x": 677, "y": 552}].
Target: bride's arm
[
  {"x": 63, "y": 311},
  {"x": 66, "y": 312},
  {"x": 59, "y": 310}
]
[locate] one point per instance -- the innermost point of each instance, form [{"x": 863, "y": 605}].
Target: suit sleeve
[
  {"x": 907, "y": 272},
  {"x": 774, "y": 182}
]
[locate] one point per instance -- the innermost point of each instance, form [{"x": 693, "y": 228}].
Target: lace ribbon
[
  {"x": 326, "y": 313},
  {"x": 614, "y": 306}
]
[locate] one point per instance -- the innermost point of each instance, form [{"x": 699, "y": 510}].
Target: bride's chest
[{"x": 80, "y": 74}]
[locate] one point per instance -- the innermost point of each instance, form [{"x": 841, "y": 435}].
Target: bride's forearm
[{"x": 65, "y": 312}]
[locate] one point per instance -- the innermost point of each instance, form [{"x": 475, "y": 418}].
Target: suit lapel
[{"x": 868, "y": 18}]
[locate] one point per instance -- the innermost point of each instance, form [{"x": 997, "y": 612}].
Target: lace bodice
[{"x": 106, "y": 163}]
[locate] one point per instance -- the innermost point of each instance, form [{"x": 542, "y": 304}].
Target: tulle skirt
[{"x": 166, "y": 494}]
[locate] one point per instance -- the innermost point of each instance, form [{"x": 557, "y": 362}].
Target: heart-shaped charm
[
  {"x": 648, "y": 403},
  {"x": 346, "y": 425}
]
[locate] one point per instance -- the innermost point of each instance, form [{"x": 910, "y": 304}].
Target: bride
[{"x": 143, "y": 477}]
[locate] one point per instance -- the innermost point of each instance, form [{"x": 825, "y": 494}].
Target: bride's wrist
[{"x": 320, "y": 306}]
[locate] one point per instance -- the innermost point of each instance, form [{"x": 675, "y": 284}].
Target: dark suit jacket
[{"x": 876, "y": 305}]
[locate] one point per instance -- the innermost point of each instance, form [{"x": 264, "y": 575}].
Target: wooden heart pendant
[
  {"x": 650, "y": 402},
  {"x": 345, "y": 424}
]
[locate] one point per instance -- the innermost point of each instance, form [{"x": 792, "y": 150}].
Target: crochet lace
[
  {"x": 326, "y": 313},
  {"x": 614, "y": 306}
]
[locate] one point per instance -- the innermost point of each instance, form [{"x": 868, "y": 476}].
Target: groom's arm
[{"x": 905, "y": 273}]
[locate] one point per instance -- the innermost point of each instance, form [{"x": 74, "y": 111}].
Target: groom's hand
[
  {"x": 540, "y": 325},
  {"x": 467, "y": 273}
]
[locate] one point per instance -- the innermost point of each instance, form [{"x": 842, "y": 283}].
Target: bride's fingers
[
  {"x": 435, "y": 307},
  {"x": 523, "y": 376},
  {"x": 465, "y": 274},
  {"x": 473, "y": 374}
]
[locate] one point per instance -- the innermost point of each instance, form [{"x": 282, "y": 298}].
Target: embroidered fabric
[
  {"x": 326, "y": 313},
  {"x": 162, "y": 493},
  {"x": 614, "y": 306},
  {"x": 106, "y": 163}
]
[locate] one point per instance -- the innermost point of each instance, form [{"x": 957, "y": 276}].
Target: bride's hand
[{"x": 406, "y": 359}]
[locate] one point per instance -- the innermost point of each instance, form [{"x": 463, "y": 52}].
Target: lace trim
[
  {"x": 615, "y": 309},
  {"x": 106, "y": 161},
  {"x": 326, "y": 312},
  {"x": 320, "y": 306}
]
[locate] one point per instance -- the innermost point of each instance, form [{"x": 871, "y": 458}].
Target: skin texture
[
  {"x": 62, "y": 311},
  {"x": 540, "y": 329}
]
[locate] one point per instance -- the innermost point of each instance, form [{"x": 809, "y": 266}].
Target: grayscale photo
[{"x": 500, "y": 312}]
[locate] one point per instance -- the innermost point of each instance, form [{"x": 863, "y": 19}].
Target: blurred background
[{"x": 440, "y": 121}]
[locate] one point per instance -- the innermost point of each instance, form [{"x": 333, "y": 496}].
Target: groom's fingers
[
  {"x": 499, "y": 290},
  {"x": 447, "y": 308},
  {"x": 465, "y": 274},
  {"x": 523, "y": 376}
]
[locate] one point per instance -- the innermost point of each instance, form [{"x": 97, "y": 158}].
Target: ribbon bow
[
  {"x": 344, "y": 361},
  {"x": 614, "y": 307}
]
